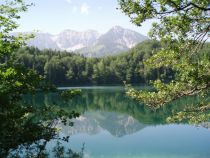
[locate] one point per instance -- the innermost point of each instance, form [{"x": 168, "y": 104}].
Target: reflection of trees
[
  {"x": 26, "y": 130},
  {"x": 116, "y": 101},
  {"x": 59, "y": 151},
  {"x": 39, "y": 151}
]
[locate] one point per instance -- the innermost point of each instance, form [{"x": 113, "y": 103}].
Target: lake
[{"x": 111, "y": 125}]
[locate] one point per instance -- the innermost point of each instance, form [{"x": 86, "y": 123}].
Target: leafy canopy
[
  {"x": 23, "y": 127},
  {"x": 9, "y": 14},
  {"x": 182, "y": 28}
]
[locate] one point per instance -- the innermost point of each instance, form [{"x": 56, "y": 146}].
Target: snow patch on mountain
[{"x": 89, "y": 43}]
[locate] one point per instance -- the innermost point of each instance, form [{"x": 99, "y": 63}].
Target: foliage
[
  {"x": 60, "y": 152},
  {"x": 10, "y": 13},
  {"x": 182, "y": 30},
  {"x": 70, "y": 93},
  {"x": 68, "y": 69},
  {"x": 62, "y": 68},
  {"x": 20, "y": 127}
]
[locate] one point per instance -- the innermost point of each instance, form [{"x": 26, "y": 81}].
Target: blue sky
[{"x": 54, "y": 16}]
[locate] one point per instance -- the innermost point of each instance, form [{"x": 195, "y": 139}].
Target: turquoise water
[{"x": 113, "y": 126}]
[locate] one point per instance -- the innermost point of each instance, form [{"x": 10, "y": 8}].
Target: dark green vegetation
[
  {"x": 62, "y": 68},
  {"x": 182, "y": 29},
  {"x": 24, "y": 129}
]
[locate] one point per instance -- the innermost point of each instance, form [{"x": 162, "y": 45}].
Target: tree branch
[{"x": 182, "y": 8}]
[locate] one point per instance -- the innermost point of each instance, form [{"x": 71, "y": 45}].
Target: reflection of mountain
[
  {"x": 93, "y": 122},
  {"x": 120, "y": 125},
  {"x": 83, "y": 124},
  {"x": 98, "y": 103}
]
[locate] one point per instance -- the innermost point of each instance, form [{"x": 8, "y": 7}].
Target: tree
[
  {"x": 182, "y": 30},
  {"x": 23, "y": 128}
]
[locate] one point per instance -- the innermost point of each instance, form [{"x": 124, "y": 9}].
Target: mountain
[
  {"x": 72, "y": 40},
  {"x": 116, "y": 40},
  {"x": 89, "y": 43},
  {"x": 43, "y": 41}
]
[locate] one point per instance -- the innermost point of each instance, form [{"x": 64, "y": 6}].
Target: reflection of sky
[
  {"x": 148, "y": 141},
  {"x": 163, "y": 141},
  {"x": 111, "y": 126}
]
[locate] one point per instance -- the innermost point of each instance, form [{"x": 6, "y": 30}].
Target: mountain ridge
[{"x": 89, "y": 43}]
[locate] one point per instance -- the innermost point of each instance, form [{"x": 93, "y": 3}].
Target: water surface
[{"x": 113, "y": 126}]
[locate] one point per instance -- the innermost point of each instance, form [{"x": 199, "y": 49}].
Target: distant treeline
[{"x": 64, "y": 68}]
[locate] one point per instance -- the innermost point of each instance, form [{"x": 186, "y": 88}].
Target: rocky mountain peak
[{"x": 90, "y": 43}]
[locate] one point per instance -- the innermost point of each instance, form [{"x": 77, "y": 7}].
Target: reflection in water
[
  {"x": 113, "y": 126},
  {"x": 153, "y": 141},
  {"x": 113, "y": 99},
  {"x": 26, "y": 130},
  {"x": 95, "y": 122}
]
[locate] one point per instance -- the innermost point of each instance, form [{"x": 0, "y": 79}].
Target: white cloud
[{"x": 84, "y": 9}]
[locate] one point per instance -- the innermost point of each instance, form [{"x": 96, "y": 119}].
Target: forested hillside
[{"x": 64, "y": 68}]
